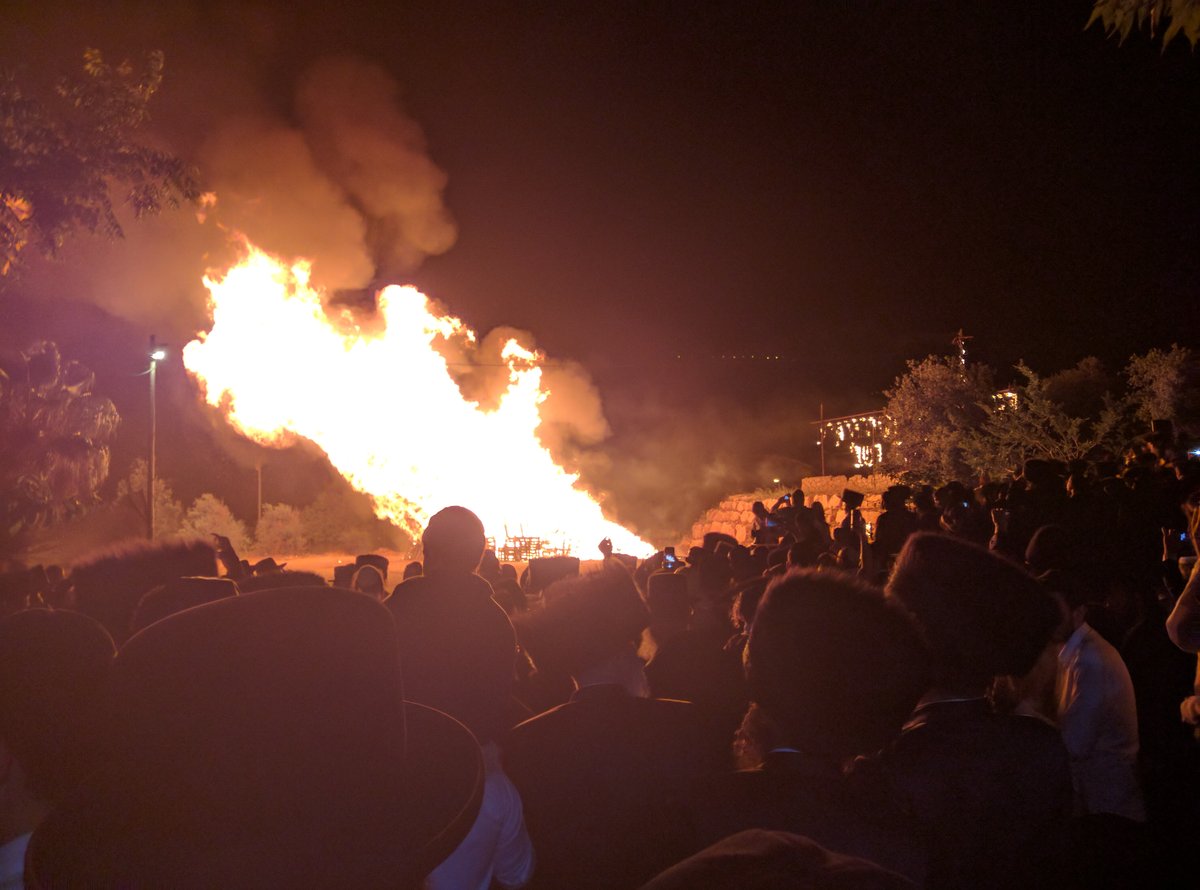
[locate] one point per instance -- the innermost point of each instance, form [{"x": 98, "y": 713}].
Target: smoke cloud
[
  {"x": 269, "y": 187},
  {"x": 363, "y": 141},
  {"x": 338, "y": 175}
]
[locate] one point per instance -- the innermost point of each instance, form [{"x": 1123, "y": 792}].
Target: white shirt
[
  {"x": 12, "y": 863},
  {"x": 497, "y": 846},
  {"x": 1097, "y": 716}
]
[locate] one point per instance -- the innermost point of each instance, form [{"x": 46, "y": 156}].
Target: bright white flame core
[{"x": 385, "y": 408}]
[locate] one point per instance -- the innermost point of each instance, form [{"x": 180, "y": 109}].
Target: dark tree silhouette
[
  {"x": 62, "y": 161},
  {"x": 54, "y": 440}
]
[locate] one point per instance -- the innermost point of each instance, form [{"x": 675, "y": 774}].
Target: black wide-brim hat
[{"x": 263, "y": 741}]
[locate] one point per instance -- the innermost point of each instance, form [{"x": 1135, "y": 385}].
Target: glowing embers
[{"x": 384, "y": 407}]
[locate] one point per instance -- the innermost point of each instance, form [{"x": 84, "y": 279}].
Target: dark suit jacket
[
  {"x": 457, "y": 649},
  {"x": 991, "y": 794},
  {"x": 798, "y": 794},
  {"x": 606, "y": 779}
]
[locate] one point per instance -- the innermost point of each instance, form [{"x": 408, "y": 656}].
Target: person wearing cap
[
  {"x": 53, "y": 671},
  {"x": 457, "y": 643},
  {"x": 834, "y": 670},
  {"x": 264, "y": 740},
  {"x": 990, "y": 793},
  {"x": 606, "y": 777}
]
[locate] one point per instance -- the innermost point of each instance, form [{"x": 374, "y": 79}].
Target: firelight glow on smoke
[{"x": 384, "y": 407}]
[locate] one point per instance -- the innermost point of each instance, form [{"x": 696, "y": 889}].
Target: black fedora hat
[{"x": 263, "y": 740}]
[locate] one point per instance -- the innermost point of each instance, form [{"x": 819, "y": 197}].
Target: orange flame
[{"x": 385, "y": 408}]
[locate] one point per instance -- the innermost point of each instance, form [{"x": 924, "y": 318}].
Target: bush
[
  {"x": 209, "y": 516},
  {"x": 281, "y": 530},
  {"x": 168, "y": 511}
]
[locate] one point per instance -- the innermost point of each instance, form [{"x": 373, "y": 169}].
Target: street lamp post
[{"x": 157, "y": 354}]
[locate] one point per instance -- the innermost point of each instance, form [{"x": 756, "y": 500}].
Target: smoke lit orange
[{"x": 385, "y": 408}]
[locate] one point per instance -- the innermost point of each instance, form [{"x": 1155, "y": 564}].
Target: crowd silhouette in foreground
[{"x": 994, "y": 689}]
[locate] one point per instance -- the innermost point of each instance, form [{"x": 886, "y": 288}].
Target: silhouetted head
[
  {"x": 670, "y": 603},
  {"x": 453, "y": 541},
  {"x": 833, "y": 665},
  {"x": 587, "y": 621},
  {"x": 177, "y": 595},
  {"x": 981, "y": 615},
  {"x": 489, "y": 566},
  {"x": 369, "y": 580},
  {"x": 263, "y": 740},
  {"x": 378, "y": 560},
  {"x": 896, "y": 497},
  {"x": 1049, "y": 548},
  {"x": 745, "y": 603},
  {"x": 1041, "y": 474},
  {"x": 713, "y": 539}
]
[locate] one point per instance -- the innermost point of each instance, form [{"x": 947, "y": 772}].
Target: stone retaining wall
[{"x": 733, "y": 516}]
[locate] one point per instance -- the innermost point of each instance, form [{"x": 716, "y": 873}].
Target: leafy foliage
[
  {"x": 341, "y": 519},
  {"x": 932, "y": 407},
  {"x": 168, "y": 511},
  {"x": 1120, "y": 18},
  {"x": 54, "y": 440},
  {"x": 1166, "y": 386},
  {"x": 60, "y": 162},
  {"x": 281, "y": 530},
  {"x": 1035, "y": 424},
  {"x": 209, "y": 515}
]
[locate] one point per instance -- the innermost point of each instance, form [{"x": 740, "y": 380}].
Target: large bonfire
[{"x": 383, "y": 405}]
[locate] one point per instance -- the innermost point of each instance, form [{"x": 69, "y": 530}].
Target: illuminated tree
[
  {"x": 1165, "y": 385},
  {"x": 932, "y": 407},
  {"x": 62, "y": 160},
  {"x": 1035, "y": 423},
  {"x": 280, "y": 530},
  {"x": 168, "y": 511},
  {"x": 208, "y": 515},
  {"x": 54, "y": 440}
]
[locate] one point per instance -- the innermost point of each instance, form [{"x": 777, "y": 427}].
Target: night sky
[{"x": 650, "y": 186}]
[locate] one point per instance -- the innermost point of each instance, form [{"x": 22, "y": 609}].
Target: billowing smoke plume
[
  {"x": 364, "y": 142},
  {"x": 270, "y": 188},
  {"x": 341, "y": 177},
  {"x": 349, "y": 185}
]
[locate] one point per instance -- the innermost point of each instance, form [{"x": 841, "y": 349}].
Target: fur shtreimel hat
[
  {"x": 263, "y": 740},
  {"x": 775, "y": 860},
  {"x": 980, "y": 614},
  {"x": 586, "y": 620},
  {"x": 833, "y": 663}
]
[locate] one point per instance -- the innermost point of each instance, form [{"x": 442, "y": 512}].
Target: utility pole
[
  {"x": 821, "y": 427},
  {"x": 960, "y": 341},
  {"x": 157, "y": 354}
]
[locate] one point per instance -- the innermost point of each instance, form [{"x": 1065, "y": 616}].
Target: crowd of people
[{"x": 989, "y": 687}]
